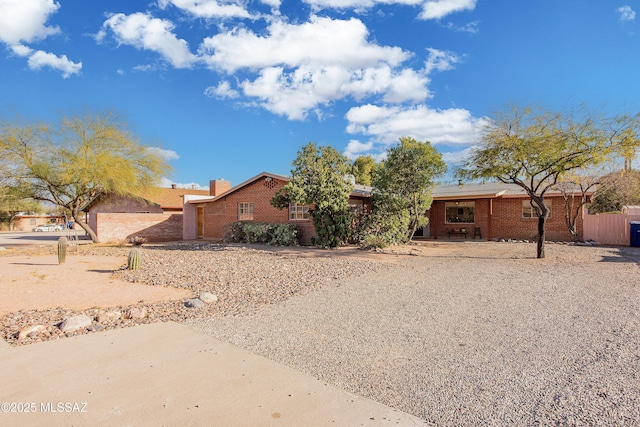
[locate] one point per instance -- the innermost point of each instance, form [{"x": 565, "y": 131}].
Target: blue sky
[{"x": 231, "y": 88}]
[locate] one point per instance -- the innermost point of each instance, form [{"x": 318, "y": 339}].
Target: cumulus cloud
[
  {"x": 458, "y": 157},
  {"x": 222, "y": 91},
  {"x": 168, "y": 183},
  {"x": 386, "y": 124},
  {"x": 438, "y": 9},
  {"x": 299, "y": 68},
  {"x": 25, "y": 21},
  {"x": 356, "y": 148},
  {"x": 626, "y": 13},
  {"x": 143, "y": 31},
  {"x": 439, "y": 60},
  {"x": 208, "y": 8},
  {"x": 165, "y": 154},
  {"x": 321, "y": 41}
]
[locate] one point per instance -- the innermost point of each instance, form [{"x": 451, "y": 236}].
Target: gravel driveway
[{"x": 480, "y": 335}]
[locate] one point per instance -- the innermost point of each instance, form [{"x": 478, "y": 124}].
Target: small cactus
[
  {"x": 62, "y": 249},
  {"x": 133, "y": 262}
]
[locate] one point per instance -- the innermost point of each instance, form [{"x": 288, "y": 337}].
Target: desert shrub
[
  {"x": 260, "y": 232},
  {"x": 372, "y": 241},
  {"x": 137, "y": 240}
]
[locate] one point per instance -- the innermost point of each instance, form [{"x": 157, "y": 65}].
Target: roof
[
  {"x": 171, "y": 198},
  {"x": 489, "y": 190},
  {"x": 359, "y": 190}
]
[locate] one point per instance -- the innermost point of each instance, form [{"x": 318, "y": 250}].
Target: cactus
[
  {"x": 133, "y": 262},
  {"x": 62, "y": 250}
]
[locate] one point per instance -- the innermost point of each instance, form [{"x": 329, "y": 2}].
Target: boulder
[
  {"x": 208, "y": 298},
  {"x": 109, "y": 316},
  {"x": 30, "y": 331},
  {"x": 194, "y": 303},
  {"x": 75, "y": 323},
  {"x": 135, "y": 313}
]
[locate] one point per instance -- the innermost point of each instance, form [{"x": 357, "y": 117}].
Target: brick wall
[
  {"x": 155, "y": 227},
  {"x": 502, "y": 218},
  {"x": 219, "y": 214}
]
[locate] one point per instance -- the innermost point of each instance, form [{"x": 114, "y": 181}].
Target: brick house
[
  {"x": 27, "y": 222},
  {"x": 494, "y": 210},
  {"x": 211, "y": 217},
  {"x": 156, "y": 216}
]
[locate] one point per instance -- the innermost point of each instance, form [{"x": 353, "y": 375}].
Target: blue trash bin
[{"x": 635, "y": 233}]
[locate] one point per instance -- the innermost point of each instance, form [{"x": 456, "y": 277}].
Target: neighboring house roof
[
  {"x": 171, "y": 198},
  {"x": 359, "y": 190}
]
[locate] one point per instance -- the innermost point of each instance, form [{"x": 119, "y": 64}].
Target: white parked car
[{"x": 47, "y": 227}]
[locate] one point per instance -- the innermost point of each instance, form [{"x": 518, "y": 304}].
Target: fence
[{"x": 609, "y": 229}]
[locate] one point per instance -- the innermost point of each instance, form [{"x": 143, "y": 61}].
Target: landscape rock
[
  {"x": 75, "y": 323},
  {"x": 30, "y": 331},
  {"x": 135, "y": 313},
  {"x": 109, "y": 316},
  {"x": 208, "y": 297},
  {"x": 194, "y": 303}
]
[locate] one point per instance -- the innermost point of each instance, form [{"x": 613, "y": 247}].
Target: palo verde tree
[
  {"x": 319, "y": 178},
  {"x": 575, "y": 191},
  {"x": 535, "y": 149},
  {"x": 403, "y": 186},
  {"x": 81, "y": 158},
  {"x": 14, "y": 201}
]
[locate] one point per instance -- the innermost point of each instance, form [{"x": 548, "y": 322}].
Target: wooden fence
[{"x": 609, "y": 229}]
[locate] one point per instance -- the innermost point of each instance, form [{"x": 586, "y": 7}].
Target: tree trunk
[
  {"x": 541, "y": 234},
  {"x": 416, "y": 219},
  {"x": 92, "y": 234}
]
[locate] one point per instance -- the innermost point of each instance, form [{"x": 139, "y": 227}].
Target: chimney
[
  {"x": 173, "y": 186},
  {"x": 218, "y": 186}
]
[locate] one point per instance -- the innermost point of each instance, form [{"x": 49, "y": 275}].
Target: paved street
[{"x": 11, "y": 239}]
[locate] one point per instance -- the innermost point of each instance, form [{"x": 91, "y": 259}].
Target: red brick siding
[
  {"x": 155, "y": 227},
  {"x": 219, "y": 214},
  {"x": 506, "y": 220}
]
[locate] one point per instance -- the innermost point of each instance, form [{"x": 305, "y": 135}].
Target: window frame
[
  {"x": 459, "y": 205},
  {"x": 245, "y": 211},
  {"x": 526, "y": 204},
  {"x": 299, "y": 212}
]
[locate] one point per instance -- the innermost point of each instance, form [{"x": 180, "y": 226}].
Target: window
[
  {"x": 245, "y": 211},
  {"x": 460, "y": 212},
  {"x": 528, "y": 211},
  {"x": 298, "y": 212}
]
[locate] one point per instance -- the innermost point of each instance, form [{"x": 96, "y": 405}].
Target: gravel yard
[
  {"x": 468, "y": 333},
  {"x": 481, "y": 334}
]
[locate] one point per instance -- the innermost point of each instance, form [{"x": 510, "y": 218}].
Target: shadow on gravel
[{"x": 623, "y": 255}]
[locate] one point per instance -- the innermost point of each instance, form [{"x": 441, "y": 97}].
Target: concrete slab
[
  {"x": 169, "y": 374},
  {"x": 4, "y": 345}
]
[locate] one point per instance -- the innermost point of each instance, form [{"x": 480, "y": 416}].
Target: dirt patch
[{"x": 38, "y": 282}]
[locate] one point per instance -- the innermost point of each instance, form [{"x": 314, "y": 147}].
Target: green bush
[
  {"x": 373, "y": 242},
  {"x": 265, "y": 233}
]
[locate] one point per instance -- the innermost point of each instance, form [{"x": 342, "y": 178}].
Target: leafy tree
[
  {"x": 403, "y": 186},
  {"x": 318, "y": 178},
  {"x": 575, "y": 192},
  {"x": 616, "y": 190},
  {"x": 363, "y": 169},
  {"x": 535, "y": 149},
  {"x": 13, "y": 201},
  {"x": 81, "y": 158}
]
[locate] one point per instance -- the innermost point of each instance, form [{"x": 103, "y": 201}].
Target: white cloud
[
  {"x": 25, "y": 20},
  {"x": 458, "y": 157},
  {"x": 471, "y": 27},
  {"x": 321, "y": 41},
  {"x": 438, "y": 9},
  {"x": 626, "y": 13},
  {"x": 222, "y": 91},
  {"x": 40, "y": 59},
  {"x": 168, "y": 183},
  {"x": 386, "y": 125},
  {"x": 356, "y": 148},
  {"x": 439, "y": 60},
  {"x": 143, "y": 31},
  {"x": 302, "y": 67},
  {"x": 208, "y": 8},
  {"x": 165, "y": 154}
]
